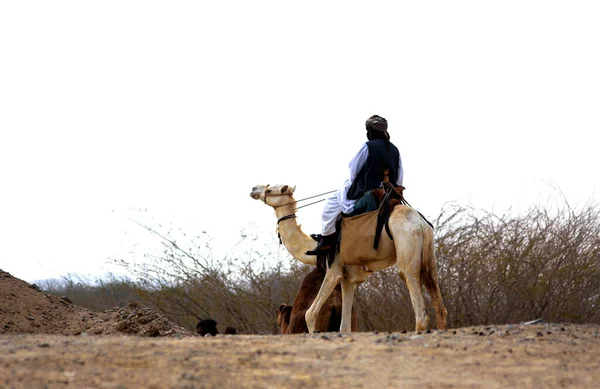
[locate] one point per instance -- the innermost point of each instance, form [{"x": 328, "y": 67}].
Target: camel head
[
  {"x": 281, "y": 198},
  {"x": 283, "y": 317},
  {"x": 275, "y": 196}
]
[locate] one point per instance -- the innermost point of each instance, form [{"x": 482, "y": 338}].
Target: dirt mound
[
  {"x": 25, "y": 309},
  {"x": 135, "y": 319}
]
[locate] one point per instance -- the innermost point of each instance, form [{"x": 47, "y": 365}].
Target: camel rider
[{"x": 366, "y": 173}]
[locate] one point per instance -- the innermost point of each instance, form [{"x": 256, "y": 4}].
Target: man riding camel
[{"x": 366, "y": 173}]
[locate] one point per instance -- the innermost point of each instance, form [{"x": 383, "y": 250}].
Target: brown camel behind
[{"x": 291, "y": 319}]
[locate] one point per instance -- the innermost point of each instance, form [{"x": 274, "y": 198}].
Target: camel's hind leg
[
  {"x": 347, "y": 302},
  {"x": 408, "y": 260},
  {"x": 418, "y": 302},
  {"x": 332, "y": 278}
]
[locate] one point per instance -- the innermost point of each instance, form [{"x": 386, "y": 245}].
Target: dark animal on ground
[{"x": 207, "y": 326}]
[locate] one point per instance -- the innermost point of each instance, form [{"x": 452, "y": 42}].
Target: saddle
[
  {"x": 371, "y": 212},
  {"x": 362, "y": 230}
]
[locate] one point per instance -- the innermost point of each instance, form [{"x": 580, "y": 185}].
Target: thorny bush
[{"x": 493, "y": 269}]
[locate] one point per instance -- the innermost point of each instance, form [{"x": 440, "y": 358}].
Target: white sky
[{"x": 181, "y": 107}]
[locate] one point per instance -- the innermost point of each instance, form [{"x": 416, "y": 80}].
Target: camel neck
[
  {"x": 293, "y": 238},
  {"x": 285, "y": 210}
]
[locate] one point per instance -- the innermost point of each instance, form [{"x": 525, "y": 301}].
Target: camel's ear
[
  {"x": 284, "y": 189},
  {"x": 292, "y": 189},
  {"x": 282, "y": 307}
]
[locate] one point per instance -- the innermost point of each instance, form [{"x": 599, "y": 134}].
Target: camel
[
  {"x": 291, "y": 319},
  {"x": 413, "y": 255}
]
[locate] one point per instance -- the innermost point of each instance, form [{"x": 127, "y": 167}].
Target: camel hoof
[{"x": 423, "y": 325}]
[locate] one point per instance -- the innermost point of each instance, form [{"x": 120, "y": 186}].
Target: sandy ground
[
  {"x": 510, "y": 356},
  {"x": 47, "y": 342}
]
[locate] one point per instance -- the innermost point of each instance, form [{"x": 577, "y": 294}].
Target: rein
[
  {"x": 293, "y": 215},
  {"x": 306, "y": 205},
  {"x": 304, "y": 199},
  {"x": 312, "y": 197},
  {"x": 297, "y": 201}
]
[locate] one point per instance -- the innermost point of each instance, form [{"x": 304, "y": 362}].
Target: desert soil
[{"x": 47, "y": 342}]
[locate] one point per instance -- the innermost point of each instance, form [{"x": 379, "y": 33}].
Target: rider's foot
[{"x": 325, "y": 244}]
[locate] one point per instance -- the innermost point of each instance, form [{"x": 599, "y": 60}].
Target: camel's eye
[{"x": 253, "y": 189}]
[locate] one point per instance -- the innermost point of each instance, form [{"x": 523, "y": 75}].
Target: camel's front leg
[
  {"x": 332, "y": 278},
  {"x": 347, "y": 302}
]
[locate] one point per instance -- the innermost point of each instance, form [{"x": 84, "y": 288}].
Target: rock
[
  {"x": 536, "y": 321},
  {"x": 35, "y": 287}
]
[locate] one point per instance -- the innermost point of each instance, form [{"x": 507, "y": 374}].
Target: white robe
[{"x": 339, "y": 202}]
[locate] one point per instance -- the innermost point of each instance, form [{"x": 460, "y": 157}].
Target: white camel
[{"x": 414, "y": 257}]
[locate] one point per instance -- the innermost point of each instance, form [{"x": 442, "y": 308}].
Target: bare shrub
[
  {"x": 504, "y": 269},
  {"x": 96, "y": 295},
  {"x": 493, "y": 269},
  {"x": 242, "y": 290},
  {"x": 383, "y": 303},
  {"x": 499, "y": 269}
]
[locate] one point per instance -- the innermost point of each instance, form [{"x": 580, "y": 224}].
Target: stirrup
[
  {"x": 319, "y": 250},
  {"x": 326, "y": 244}
]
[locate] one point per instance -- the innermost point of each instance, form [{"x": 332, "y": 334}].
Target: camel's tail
[
  {"x": 429, "y": 277},
  {"x": 428, "y": 266}
]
